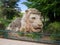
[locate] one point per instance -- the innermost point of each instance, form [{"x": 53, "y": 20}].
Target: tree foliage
[
  {"x": 49, "y": 8},
  {"x": 8, "y": 8}
]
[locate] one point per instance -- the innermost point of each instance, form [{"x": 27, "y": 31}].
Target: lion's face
[{"x": 36, "y": 21}]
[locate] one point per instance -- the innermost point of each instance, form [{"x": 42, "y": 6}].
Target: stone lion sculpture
[{"x": 31, "y": 21}]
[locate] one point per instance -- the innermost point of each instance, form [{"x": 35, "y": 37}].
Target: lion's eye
[{"x": 33, "y": 18}]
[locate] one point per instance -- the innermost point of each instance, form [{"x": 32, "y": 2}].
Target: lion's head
[{"x": 35, "y": 19}]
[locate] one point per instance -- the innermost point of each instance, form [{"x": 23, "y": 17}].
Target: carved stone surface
[{"x": 31, "y": 21}]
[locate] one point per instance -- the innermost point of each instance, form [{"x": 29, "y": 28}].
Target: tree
[
  {"x": 49, "y": 8},
  {"x": 9, "y": 8}
]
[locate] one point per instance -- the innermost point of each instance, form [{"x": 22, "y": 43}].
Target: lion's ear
[{"x": 26, "y": 11}]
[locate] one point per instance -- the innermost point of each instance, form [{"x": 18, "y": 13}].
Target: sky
[{"x": 22, "y": 6}]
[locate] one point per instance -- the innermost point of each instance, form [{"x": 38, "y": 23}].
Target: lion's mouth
[{"x": 37, "y": 28}]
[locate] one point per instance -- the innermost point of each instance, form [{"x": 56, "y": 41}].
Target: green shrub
[{"x": 54, "y": 30}]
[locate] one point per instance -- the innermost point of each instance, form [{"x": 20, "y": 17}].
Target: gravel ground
[{"x": 14, "y": 42}]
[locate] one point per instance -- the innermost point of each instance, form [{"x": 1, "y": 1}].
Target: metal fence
[{"x": 39, "y": 39}]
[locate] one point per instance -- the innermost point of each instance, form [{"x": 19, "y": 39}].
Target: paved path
[{"x": 14, "y": 42}]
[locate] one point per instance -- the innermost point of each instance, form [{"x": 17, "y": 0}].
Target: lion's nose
[{"x": 40, "y": 25}]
